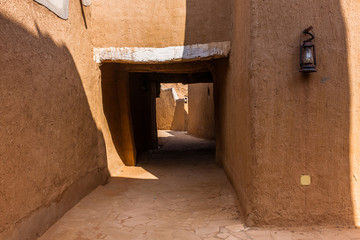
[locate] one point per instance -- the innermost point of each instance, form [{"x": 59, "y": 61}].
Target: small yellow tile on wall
[{"x": 305, "y": 180}]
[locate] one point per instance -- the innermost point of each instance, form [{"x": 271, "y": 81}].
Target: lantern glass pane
[{"x": 308, "y": 56}]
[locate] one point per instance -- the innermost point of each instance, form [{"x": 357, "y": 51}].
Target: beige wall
[
  {"x": 137, "y": 23},
  {"x": 301, "y": 123},
  {"x": 234, "y": 129},
  {"x": 180, "y": 120},
  {"x": 181, "y": 89},
  {"x": 201, "y": 110},
  {"x": 277, "y": 124},
  {"x": 352, "y": 23},
  {"x": 165, "y": 109},
  {"x": 52, "y": 149},
  {"x": 171, "y": 112}
]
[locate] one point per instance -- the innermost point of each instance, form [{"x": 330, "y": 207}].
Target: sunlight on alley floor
[{"x": 177, "y": 192}]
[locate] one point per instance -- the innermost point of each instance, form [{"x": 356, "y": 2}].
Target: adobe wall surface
[
  {"x": 233, "y": 112},
  {"x": 165, "y": 108},
  {"x": 49, "y": 117},
  {"x": 287, "y": 123},
  {"x": 181, "y": 89},
  {"x": 171, "y": 112},
  {"x": 180, "y": 120},
  {"x": 352, "y": 24},
  {"x": 159, "y": 23},
  {"x": 116, "y": 106},
  {"x": 301, "y": 122},
  {"x": 201, "y": 121}
]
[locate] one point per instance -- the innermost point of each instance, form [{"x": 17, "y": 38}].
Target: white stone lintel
[{"x": 162, "y": 55}]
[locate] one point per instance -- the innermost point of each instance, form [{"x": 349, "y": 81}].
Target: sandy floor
[
  {"x": 181, "y": 141},
  {"x": 172, "y": 194}
]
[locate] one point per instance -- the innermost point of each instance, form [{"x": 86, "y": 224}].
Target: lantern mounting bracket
[{"x": 307, "y": 31}]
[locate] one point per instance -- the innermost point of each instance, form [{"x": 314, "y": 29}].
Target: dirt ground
[{"x": 177, "y": 192}]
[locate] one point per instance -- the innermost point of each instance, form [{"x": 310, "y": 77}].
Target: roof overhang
[{"x": 186, "y": 53}]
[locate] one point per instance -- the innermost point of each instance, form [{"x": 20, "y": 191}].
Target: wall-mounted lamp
[{"x": 307, "y": 53}]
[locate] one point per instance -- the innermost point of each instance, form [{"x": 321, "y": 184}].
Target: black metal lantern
[{"x": 307, "y": 53}]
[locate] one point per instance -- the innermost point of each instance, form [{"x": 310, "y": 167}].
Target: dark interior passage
[
  {"x": 143, "y": 93},
  {"x": 144, "y": 89},
  {"x": 129, "y": 100}
]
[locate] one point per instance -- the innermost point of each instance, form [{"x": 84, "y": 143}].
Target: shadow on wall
[
  {"x": 116, "y": 104},
  {"x": 111, "y": 103},
  {"x": 141, "y": 98},
  {"x": 49, "y": 140}
]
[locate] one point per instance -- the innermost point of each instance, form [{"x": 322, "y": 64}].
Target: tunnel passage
[
  {"x": 144, "y": 89},
  {"x": 129, "y": 101}
]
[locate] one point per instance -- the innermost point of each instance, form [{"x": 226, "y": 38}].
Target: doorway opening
[
  {"x": 130, "y": 94},
  {"x": 185, "y": 117},
  {"x": 172, "y": 111}
]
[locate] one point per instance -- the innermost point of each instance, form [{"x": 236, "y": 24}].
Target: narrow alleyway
[{"x": 178, "y": 192}]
